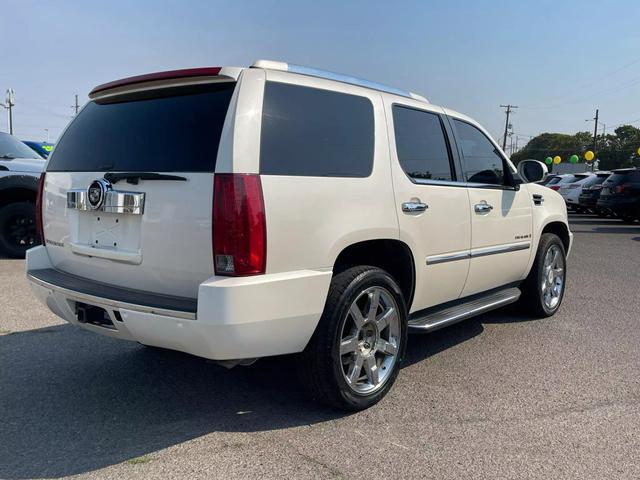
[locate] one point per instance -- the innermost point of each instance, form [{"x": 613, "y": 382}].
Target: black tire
[
  {"x": 321, "y": 365},
  {"x": 532, "y": 294},
  {"x": 18, "y": 229}
]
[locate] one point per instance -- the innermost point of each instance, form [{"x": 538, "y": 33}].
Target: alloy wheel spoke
[
  {"x": 356, "y": 315},
  {"x": 354, "y": 370},
  {"x": 371, "y": 368},
  {"x": 374, "y": 302},
  {"x": 386, "y": 347},
  {"x": 386, "y": 318},
  {"x": 348, "y": 345}
]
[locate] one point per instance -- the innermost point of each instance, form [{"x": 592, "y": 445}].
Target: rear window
[
  {"x": 313, "y": 132},
  {"x": 618, "y": 178},
  {"x": 172, "y": 130}
]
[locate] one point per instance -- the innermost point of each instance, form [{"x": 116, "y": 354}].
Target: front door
[
  {"x": 433, "y": 208},
  {"x": 501, "y": 223}
]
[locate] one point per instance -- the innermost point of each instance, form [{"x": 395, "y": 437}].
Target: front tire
[
  {"x": 543, "y": 289},
  {"x": 354, "y": 356},
  {"x": 18, "y": 229}
]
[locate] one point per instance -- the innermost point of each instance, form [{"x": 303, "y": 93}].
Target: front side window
[
  {"x": 312, "y": 132},
  {"x": 421, "y": 144},
  {"x": 482, "y": 162}
]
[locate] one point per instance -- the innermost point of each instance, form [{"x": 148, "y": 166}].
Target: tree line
[{"x": 617, "y": 150}]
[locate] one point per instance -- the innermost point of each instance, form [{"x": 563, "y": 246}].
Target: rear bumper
[
  {"x": 620, "y": 205},
  {"x": 232, "y": 318}
]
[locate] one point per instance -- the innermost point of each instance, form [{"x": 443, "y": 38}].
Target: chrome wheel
[
  {"x": 552, "y": 277},
  {"x": 370, "y": 340}
]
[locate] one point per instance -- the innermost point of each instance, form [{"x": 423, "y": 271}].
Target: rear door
[
  {"x": 432, "y": 205},
  {"x": 501, "y": 223},
  {"x": 128, "y": 191}
]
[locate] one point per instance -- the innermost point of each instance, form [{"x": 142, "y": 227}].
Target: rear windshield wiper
[{"x": 134, "y": 177}]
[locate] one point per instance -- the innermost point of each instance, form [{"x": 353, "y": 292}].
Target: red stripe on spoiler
[{"x": 187, "y": 72}]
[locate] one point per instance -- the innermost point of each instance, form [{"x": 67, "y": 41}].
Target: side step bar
[{"x": 433, "y": 319}]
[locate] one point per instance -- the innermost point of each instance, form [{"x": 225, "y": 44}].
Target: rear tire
[
  {"x": 354, "y": 356},
  {"x": 18, "y": 229},
  {"x": 543, "y": 289}
]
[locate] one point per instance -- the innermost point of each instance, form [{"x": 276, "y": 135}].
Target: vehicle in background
[
  {"x": 620, "y": 194},
  {"x": 20, "y": 169},
  {"x": 590, "y": 192},
  {"x": 41, "y": 148},
  {"x": 550, "y": 178},
  {"x": 571, "y": 191},
  {"x": 567, "y": 179}
]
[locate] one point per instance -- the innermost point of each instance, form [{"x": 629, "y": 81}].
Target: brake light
[
  {"x": 555, "y": 187},
  {"x": 621, "y": 188},
  {"x": 39, "y": 225},
  {"x": 239, "y": 225}
]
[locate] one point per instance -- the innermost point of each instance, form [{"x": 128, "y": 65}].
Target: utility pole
[
  {"x": 506, "y": 124},
  {"x": 11, "y": 101},
  {"x": 595, "y": 134},
  {"x": 76, "y": 106}
]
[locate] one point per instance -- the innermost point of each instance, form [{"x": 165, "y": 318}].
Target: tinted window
[
  {"x": 421, "y": 144},
  {"x": 312, "y": 132},
  {"x": 618, "y": 177},
  {"x": 172, "y": 130},
  {"x": 482, "y": 162}
]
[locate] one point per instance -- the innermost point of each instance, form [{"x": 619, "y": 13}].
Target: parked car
[
  {"x": 620, "y": 194},
  {"x": 554, "y": 183},
  {"x": 550, "y": 180},
  {"x": 20, "y": 168},
  {"x": 571, "y": 191},
  {"x": 41, "y": 148},
  {"x": 338, "y": 215},
  {"x": 590, "y": 192}
]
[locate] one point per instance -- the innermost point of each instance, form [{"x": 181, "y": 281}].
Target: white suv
[{"x": 241, "y": 213}]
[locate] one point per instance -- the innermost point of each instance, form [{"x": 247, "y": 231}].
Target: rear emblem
[{"x": 96, "y": 193}]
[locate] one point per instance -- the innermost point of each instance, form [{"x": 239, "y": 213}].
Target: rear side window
[
  {"x": 618, "y": 177},
  {"x": 482, "y": 162},
  {"x": 172, "y": 130},
  {"x": 421, "y": 144},
  {"x": 313, "y": 132}
]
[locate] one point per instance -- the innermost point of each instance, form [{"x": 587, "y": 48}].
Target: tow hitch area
[{"x": 93, "y": 315}]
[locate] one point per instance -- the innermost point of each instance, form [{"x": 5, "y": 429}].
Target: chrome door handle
[
  {"x": 412, "y": 207},
  {"x": 482, "y": 207}
]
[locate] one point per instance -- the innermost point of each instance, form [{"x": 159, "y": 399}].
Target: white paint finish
[
  {"x": 310, "y": 220},
  {"x": 509, "y": 219},
  {"x": 443, "y": 228},
  {"x": 174, "y": 234}
]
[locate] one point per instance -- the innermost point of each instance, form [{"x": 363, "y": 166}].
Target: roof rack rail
[{"x": 339, "y": 77}]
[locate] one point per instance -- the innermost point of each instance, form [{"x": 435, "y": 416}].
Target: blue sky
[{"x": 557, "y": 60}]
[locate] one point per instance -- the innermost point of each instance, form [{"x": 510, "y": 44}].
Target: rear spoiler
[{"x": 168, "y": 78}]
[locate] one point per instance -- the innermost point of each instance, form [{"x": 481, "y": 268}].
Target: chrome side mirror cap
[{"x": 532, "y": 171}]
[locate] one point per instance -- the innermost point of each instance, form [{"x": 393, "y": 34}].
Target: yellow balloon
[
  {"x": 557, "y": 159},
  {"x": 588, "y": 155},
  {"x": 638, "y": 150}
]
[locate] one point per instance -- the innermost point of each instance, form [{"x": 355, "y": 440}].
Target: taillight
[
  {"x": 239, "y": 225},
  {"x": 39, "y": 226},
  {"x": 555, "y": 187},
  {"x": 621, "y": 188}
]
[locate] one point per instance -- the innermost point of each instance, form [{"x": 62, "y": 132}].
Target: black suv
[
  {"x": 591, "y": 190},
  {"x": 621, "y": 194}
]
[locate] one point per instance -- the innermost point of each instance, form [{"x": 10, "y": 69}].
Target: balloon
[
  {"x": 588, "y": 155},
  {"x": 549, "y": 160},
  {"x": 638, "y": 150},
  {"x": 573, "y": 159},
  {"x": 557, "y": 159}
]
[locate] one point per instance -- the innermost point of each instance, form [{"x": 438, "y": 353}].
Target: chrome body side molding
[{"x": 478, "y": 252}]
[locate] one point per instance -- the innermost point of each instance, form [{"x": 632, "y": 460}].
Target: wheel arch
[
  {"x": 391, "y": 255},
  {"x": 18, "y": 188},
  {"x": 561, "y": 230}
]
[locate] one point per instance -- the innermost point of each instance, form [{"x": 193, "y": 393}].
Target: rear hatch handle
[{"x": 134, "y": 177}]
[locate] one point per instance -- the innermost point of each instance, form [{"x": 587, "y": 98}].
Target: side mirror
[{"x": 532, "y": 171}]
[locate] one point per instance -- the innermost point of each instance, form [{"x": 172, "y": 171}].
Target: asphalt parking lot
[{"x": 500, "y": 396}]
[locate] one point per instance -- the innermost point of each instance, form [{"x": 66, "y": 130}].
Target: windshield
[{"x": 10, "y": 148}]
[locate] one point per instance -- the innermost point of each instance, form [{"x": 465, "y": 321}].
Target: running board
[{"x": 439, "y": 318}]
